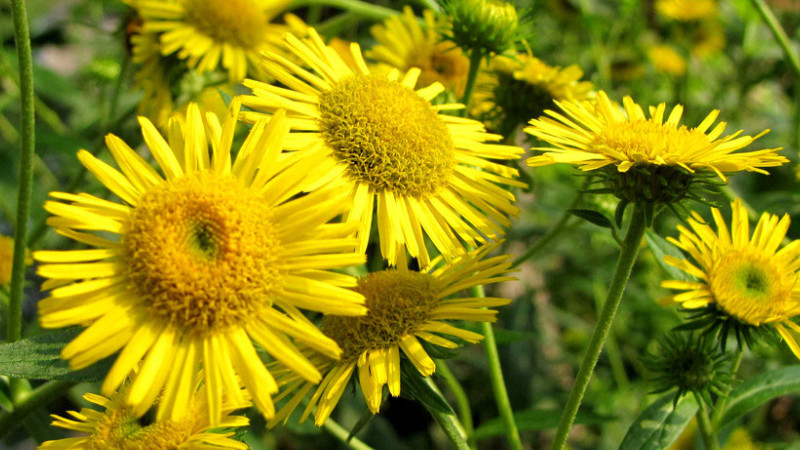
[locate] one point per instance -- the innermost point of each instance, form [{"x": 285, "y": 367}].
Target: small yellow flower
[
  {"x": 429, "y": 172},
  {"x": 667, "y": 60},
  {"x": 7, "y": 259},
  {"x": 686, "y": 10},
  {"x": 199, "y": 263},
  {"x": 512, "y": 91},
  {"x": 117, "y": 427},
  {"x": 749, "y": 278},
  {"x": 212, "y": 33},
  {"x": 403, "y": 43},
  {"x": 596, "y": 135},
  {"x": 404, "y": 306}
]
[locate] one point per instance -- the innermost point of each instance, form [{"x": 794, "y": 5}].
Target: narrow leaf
[
  {"x": 592, "y": 216},
  {"x": 661, "y": 248},
  {"x": 413, "y": 386},
  {"x": 534, "y": 419},
  {"x": 760, "y": 389},
  {"x": 660, "y": 424}
]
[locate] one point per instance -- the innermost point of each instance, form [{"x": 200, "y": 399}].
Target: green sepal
[{"x": 592, "y": 216}]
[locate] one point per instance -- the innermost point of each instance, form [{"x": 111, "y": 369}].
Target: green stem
[
  {"x": 448, "y": 422},
  {"x": 704, "y": 425},
  {"x": 36, "y": 399},
  {"x": 462, "y": 401},
  {"x": 27, "y": 128},
  {"x": 780, "y": 35},
  {"x": 363, "y": 9},
  {"x": 475, "y": 58},
  {"x": 498, "y": 384},
  {"x": 722, "y": 403},
  {"x": 622, "y": 273},
  {"x": 341, "y": 434}
]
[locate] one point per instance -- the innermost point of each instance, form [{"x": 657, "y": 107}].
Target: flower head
[
  {"x": 512, "y": 91},
  {"x": 403, "y": 43},
  {"x": 404, "y": 307},
  {"x": 197, "y": 264},
  {"x": 483, "y": 26},
  {"x": 7, "y": 259},
  {"x": 746, "y": 282},
  {"x": 429, "y": 172},
  {"x": 667, "y": 60},
  {"x": 645, "y": 158},
  {"x": 117, "y": 427},
  {"x": 210, "y": 33},
  {"x": 686, "y": 10}
]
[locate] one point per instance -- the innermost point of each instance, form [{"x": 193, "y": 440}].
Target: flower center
[
  {"x": 237, "y": 22},
  {"x": 648, "y": 141},
  {"x": 387, "y": 135},
  {"x": 397, "y": 303},
  {"x": 118, "y": 428},
  {"x": 752, "y": 289},
  {"x": 202, "y": 251}
]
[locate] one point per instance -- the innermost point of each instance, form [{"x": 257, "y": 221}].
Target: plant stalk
[
  {"x": 36, "y": 399},
  {"x": 449, "y": 423},
  {"x": 722, "y": 403},
  {"x": 462, "y": 401},
  {"x": 622, "y": 273},
  {"x": 475, "y": 58},
  {"x": 363, "y": 9},
  {"x": 27, "y": 128},
  {"x": 704, "y": 426},
  {"x": 498, "y": 383},
  {"x": 341, "y": 434}
]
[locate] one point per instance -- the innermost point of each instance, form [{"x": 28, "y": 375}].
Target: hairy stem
[
  {"x": 27, "y": 128},
  {"x": 449, "y": 423},
  {"x": 341, "y": 434},
  {"x": 622, "y": 273},
  {"x": 363, "y": 9},
  {"x": 475, "y": 58},
  {"x": 704, "y": 426}
]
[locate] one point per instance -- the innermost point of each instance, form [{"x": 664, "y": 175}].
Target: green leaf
[
  {"x": 661, "y": 248},
  {"x": 37, "y": 358},
  {"x": 365, "y": 418},
  {"x": 592, "y": 216},
  {"x": 534, "y": 419},
  {"x": 660, "y": 424},
  {"x": 760, "y": 389},
  {"x": 413, "y": 386}
]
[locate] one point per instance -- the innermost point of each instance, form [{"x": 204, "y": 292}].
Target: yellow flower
[
  {"x": 210, "y": 33},
  {"x": 686, "y": 10},
  {"x": 511, "y": 92},
  {"x": 745, "y": 277},
  {"x": 7, "y": 259},
  {"x": 403, "y": 43},
  {"x": 667, "y": 60},
  {"x": 194, "y": 265},
  {"x": 118, "y": 428},
  {"x": 404, "y": 306},
  {"x": 708, "y": 38},
  {"x": 596, "y": 135},
  {"x": 429, "y": 172}
]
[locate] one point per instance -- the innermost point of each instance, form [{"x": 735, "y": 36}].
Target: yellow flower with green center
[
  {"x": 210, "y": 33},
  {"x": 748, "y": 278},
  {"x": 117, "y": 427},
  {"x": 637, "y": 151},
  {"x": 512, "y": 91},
  {"x": 403, "y": 43},
  {"x": 197, "y": 264},
  {"x": 482, "y": 26},
  {"x": 686, "y": 10},
  {"x": 430, "y": 172},
  {"x": 404, "y": 307}
]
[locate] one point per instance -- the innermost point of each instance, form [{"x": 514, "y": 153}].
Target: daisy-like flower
[
  {"x": 7, "y": 259},
  {"x": 429, "y": 172},
  {"x": 512, "y": 91},
  {"x": 404, "y": 307},
  {"x": 117, "y": 427},
  {"x": 646, "y": 158},
  {"x": 686, "y": 10},
  {"x": 210, "y": 33},
  {"x": 195, "y": 265},
  {"x": 667, "y": 60},
  {"x": 748, "y": 280},
  {"x": 403, "y": 43}
]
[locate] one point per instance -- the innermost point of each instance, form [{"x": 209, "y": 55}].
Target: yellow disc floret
[
  {"x": 215, "y": 260},
  {"x": 750, "y": 287},
  {"x": 398, "y": 302},
  {"x": 389, "y": 136},
  {"x": 237, "y": 22}
]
